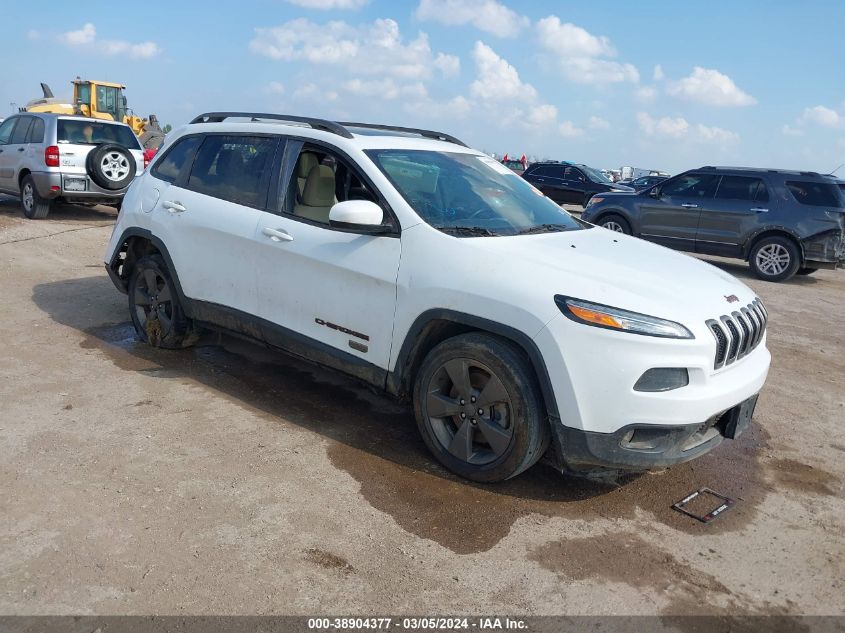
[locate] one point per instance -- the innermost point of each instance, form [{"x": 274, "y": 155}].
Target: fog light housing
[{"x": 663, "y": 379}]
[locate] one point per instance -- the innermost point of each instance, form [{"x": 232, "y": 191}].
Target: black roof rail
[
  {"x": 317, "y": 124},
  {"x": 438, "y": 136}
]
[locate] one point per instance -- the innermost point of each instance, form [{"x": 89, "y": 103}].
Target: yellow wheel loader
[{"x": 100, "y": 100}]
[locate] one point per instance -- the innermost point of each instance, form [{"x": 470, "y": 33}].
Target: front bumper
[
  {"x": 50, "y": 185},
  {"x": 640, "y": 447}
]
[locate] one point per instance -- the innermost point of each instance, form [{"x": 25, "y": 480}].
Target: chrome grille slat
[{"x": 737, "y": 334}]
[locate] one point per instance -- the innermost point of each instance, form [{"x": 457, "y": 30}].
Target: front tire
[
  {"x": 775, "y": 258},
  {"x": 34, "y": 206},
  {"x": 154, "y": 305},
  {"x": 479, "y": 409},
  {"x": 615, "y": 223}
]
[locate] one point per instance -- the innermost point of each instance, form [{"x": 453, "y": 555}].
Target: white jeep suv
[{"x": 410, "y": 261}]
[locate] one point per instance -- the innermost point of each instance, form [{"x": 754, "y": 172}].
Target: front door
[
  {"x": 733, "y": 214},
  {"x": 670, "y": 215}
]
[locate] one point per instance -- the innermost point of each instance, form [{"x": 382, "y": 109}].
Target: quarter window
[
  {"x": 816, "y": 194},
  {"x": 742, "y": 188},
  {"x": 170, "y": 166},
  {"x": 19, "y": 135},
  {"x": 691, "y": 186},
  {"x": 232, "y": 168}
]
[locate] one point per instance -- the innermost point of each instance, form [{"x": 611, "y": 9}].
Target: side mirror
[
  {"x": 358, "y": 215},
  {"x": 655, "y": 193}
]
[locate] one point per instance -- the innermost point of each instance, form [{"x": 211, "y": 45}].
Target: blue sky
[{"x": 661, "y": 84}]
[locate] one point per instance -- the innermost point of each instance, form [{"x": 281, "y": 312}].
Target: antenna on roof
[{"x": 837, "y": 169}]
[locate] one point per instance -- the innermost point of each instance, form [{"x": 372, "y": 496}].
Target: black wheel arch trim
[
  {"x": 774, "y": 230},
  {"x": 123, "y": 284},
  {"x": 400, "y": 377}
]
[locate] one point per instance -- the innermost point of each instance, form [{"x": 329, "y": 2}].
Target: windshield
[
  {"x": 595, "y": 176},
  {"x": 513, "y": 164},
  {"x": 468, "y": 194},
  {"x": 92, "y": 132}
]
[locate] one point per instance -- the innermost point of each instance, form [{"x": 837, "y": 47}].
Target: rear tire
[
  {"x": 34, "y": 206},
  {"x": 615, "y": 223},
  {"x": 501, "y": 428},
  {"x": 154, "y": 306},
  {"x": 806, "y": 271},
  {"x": 774, "y": 258}
]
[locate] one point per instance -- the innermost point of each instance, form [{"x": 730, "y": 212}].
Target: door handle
[
  {"x": 539, "y": 180},
  {"x": 687, "y": 205},
  {"x": 759, "y": 210},
  {"x": 277, "y": 235},
  {"x": 173, "y": 207},
  {"x": 21, "y": 149}
]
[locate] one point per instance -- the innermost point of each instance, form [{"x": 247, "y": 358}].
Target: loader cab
[{"x": 100, "y": 98}]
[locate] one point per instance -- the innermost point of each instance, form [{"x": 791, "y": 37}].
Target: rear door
[
  {"x": 549, "y": 179},
  {"x": 208, "y": 221},
  {"x": 670, "y": 215},
  {"x": 735, "y": 211},
  {"x": 7, "y": 154}
]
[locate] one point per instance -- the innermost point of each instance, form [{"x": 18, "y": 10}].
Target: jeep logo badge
[{"x": 731, "y": 298}]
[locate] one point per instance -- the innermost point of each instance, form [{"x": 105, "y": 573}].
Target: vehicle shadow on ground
[
  {"x": 375, "y": 439},
  {"x": 11, "y": 208},
  {"x": 741, "y": 270}
]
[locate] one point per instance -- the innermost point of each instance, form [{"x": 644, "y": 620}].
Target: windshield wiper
[
  {"x": 544, "y": 228},
  {"x": 466, "y": 230}
]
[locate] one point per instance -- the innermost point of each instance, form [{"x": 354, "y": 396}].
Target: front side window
[
  {"x": 36, "y": 131},
  {"x": 22, "y": 129},
  {"x": 597, "y": 176},
  {"x": 742, "y": 188},
  {"x": 573, "y": 174},
  {"x": 232, "y": 168},
  {"x": 690, "y": 186},
  {"x": 107, "y": 100},
  {"x": 816, "y": 194},
  {"x": 83, "y": 131},
  {"x": 6, "y": 130},
  {"x": 467, "y": 194},
  {"x": 177, "y": 158}
]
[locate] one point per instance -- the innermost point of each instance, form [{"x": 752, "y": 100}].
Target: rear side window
[
  {"x": 92, "y": 132},
  {"x": 36, "y": 131},
  {"x": 816, "y": 194},
  {"x": 19, "y": 135},
  {"x": 742, "y": 188},
  {"x": 232, "y": 168},
  {"x": 6, "y": 130},
  {"x": 177, "y": 158},
  {"x": 691, "y": 186}
]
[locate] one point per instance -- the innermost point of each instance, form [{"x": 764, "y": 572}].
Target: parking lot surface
[{"x": 231, "y": 479}]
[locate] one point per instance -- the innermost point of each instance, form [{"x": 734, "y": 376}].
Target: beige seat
[
  {"x": 306, "y": 162},
  {"x": 318, "y": 195}
]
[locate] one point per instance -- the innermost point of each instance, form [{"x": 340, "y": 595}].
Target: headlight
[
  {"x": 595, "y": 200},
  {"x": 617, "y": 319}
]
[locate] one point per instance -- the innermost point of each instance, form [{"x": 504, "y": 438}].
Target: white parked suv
[
  {"x": 410, "y": 261},
  {"x": 46, "y": 157}
]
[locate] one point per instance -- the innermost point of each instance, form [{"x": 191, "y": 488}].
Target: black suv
[
  {"x": 570, "y": 184},
  {"x": 781, "y": 222}
]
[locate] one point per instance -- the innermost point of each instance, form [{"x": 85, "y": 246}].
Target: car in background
[
  {"x": 566, "y": 183},
  {"x": 644, "y": 182},
  {"x": 45, "y": 157},
  {"x": 781, "y": 222},
  {"x": 516, "y": 165}
]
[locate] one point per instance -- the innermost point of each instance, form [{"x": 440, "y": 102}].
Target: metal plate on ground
[{"x": 703, "y": 505}]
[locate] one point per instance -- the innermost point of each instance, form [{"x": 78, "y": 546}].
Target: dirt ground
[{"x": 229, "y": 479}]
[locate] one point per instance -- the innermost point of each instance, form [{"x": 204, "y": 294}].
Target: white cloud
[
  {"x": 541, "y": 115},
  {"x": 569, "y": 130},
  {"x": 384, "y": 89},
  {"x": 449, "y": 65},
  {"x": 325, "y": 5},
  {"x": 658, "y": 75},
  {"x": 490, "y": 16},
  {"x": 598, "y": 123},
  {"x": 582, "y": 56},
  {"x": 33, "y": 34},
  {"x": 274, "y": 88},
  {"x": 645, "y": 94},
  {"x": 455, "y": 108},
  {"x": 709, "y": 86},
  {"x": 497, "y": 80},
  {"x": 570, "y": 40},
  {"x": 86, "y": 37},
  {"x": 679, "y": 127},
  {"x": 310, "y": 90},
  {"x": 788, "y": 130},
  {"x": 821, "y": 115},
  {"x": 376, "y": 48}
]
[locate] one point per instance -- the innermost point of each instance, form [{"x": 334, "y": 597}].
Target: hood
[
  {"x": 623, "y": 188},
  {"x": 618, "y": 270}
]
